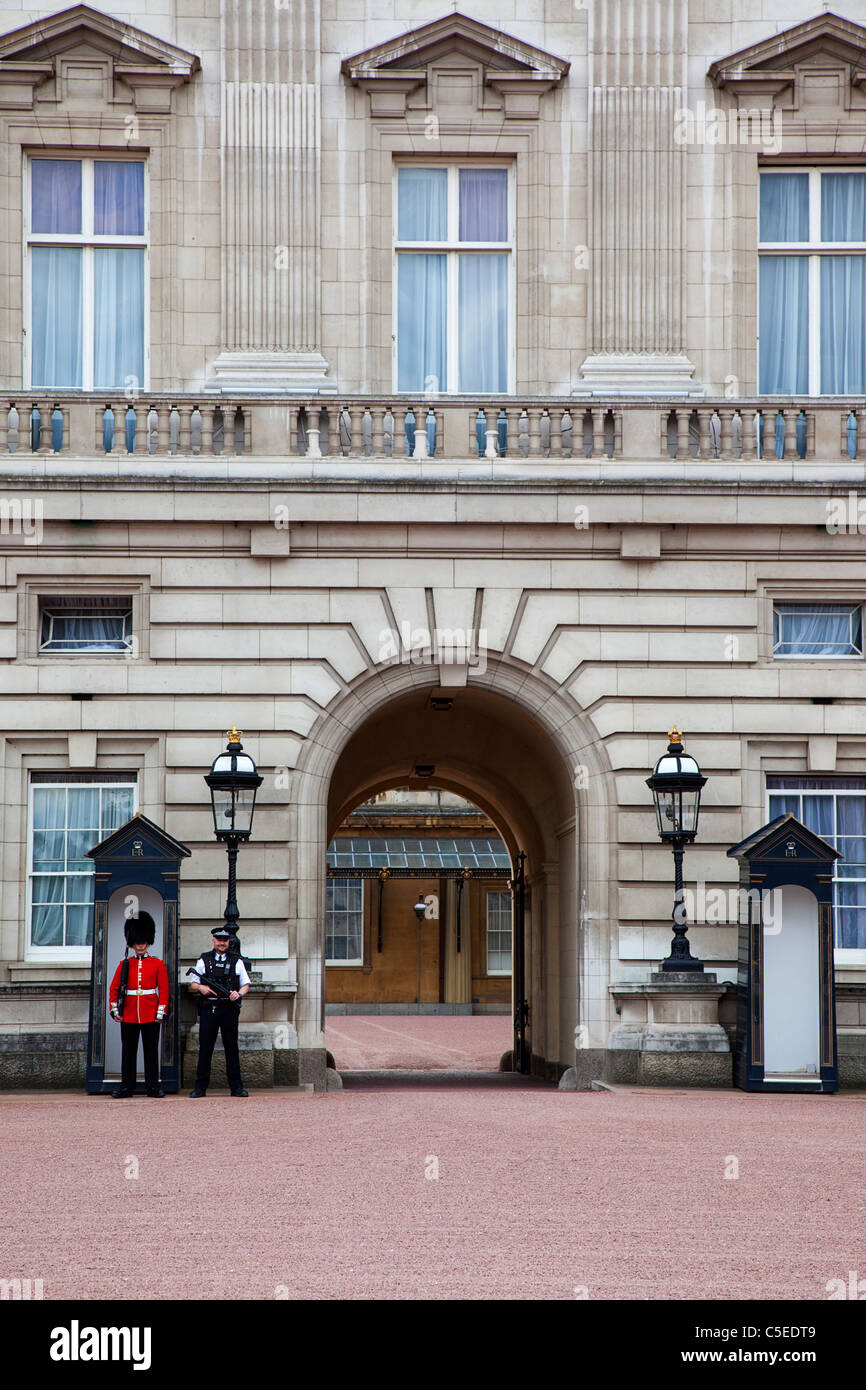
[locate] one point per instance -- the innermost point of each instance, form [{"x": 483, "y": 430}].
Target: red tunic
[{"x": 145, "y": 973}]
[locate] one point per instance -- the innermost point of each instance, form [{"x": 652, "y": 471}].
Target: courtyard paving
[{"x": 412, "y": 1189}]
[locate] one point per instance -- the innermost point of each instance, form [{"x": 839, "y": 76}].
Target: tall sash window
[
  {"x": 69, "y": 814},
  {"x": 454, "y": 248},
  {"x": 86, "y": 245},
  {"x": 812, "y": 299},
  {"x": 838, "y": 813}
]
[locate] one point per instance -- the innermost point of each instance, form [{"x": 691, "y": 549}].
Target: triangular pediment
[
  {"x": 82, "y": 25},
  {"x": 784, "y": 837},
  {"x": 139, "y": 838},
  {"x": 454, "y": 33},
  {"x": 825, "y": 40},
  {"x": 58, "y": 45},
  {"x": 403, "y": 71}
]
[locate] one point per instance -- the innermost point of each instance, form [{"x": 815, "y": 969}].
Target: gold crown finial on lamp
[
  {"x": 675, "y": 736},
  {"x": 234, "y": 734}
]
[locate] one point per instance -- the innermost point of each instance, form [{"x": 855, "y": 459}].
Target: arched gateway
[{"x": 519, "y": 750}]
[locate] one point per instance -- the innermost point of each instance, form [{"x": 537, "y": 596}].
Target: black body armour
[{"x": 225, "y": 973}]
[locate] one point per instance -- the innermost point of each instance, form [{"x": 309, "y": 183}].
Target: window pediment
[
  {"x": 817, "y": 62},
  {"x": 62, "y": 48},
  {"x": 406, "y": 66}
]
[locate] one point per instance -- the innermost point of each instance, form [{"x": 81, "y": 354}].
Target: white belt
[{"x": 142, "y": 991}]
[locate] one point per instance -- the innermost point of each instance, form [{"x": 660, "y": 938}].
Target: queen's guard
[{"x": 138, "y": 999}]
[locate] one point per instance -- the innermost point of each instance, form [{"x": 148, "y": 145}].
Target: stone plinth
[{"x": 670, "y": 1033}]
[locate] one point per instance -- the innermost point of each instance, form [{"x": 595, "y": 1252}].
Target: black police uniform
[{"x": 218, "y": 1015}]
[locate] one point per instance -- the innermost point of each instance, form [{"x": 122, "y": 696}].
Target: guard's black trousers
[
  {"x": 129, "y": 1054},
  {"x": 214, "y": 1019}
]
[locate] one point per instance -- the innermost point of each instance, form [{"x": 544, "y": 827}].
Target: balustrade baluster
[
  {"x": 377, "y": 444},
  {"x": 184, "y": 437},
  {"x": 684, "y": 418},
  {"x": 207, "y": 414},
  {"x": 45, "y": 442},
  {"x": 163, "y": 428},
  {"x": 356, "y": 432},
  {"x": 705, "y": 435}
]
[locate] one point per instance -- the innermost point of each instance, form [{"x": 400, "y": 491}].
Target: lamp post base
[{"x": 686, "y": 965}]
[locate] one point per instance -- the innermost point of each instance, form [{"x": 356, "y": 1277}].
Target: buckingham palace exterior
[{"x": 447, "y": 400}]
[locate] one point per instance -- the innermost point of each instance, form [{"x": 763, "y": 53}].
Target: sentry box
[
  {"x": 137, "y": 869},
  {"x": 786, "y": 999}
]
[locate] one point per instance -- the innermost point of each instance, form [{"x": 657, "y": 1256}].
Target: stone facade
[{"x": 615, "y": 565}]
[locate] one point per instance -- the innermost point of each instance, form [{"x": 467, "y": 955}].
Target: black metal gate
[{"x": 521, "y": 1004}]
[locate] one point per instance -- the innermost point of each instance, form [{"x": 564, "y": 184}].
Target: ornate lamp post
[
  {"x": 233, "y": 782},
  {"x": 676, "y": 785}
]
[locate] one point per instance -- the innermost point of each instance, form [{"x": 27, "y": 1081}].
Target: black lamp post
[
  {"x": 676, "y": 785},
  {"x": 233, "y": 782}
]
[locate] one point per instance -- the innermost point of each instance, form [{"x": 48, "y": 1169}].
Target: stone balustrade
[{"x": 381, "y": 428}]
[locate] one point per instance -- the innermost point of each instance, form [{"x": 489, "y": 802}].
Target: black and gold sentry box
[
  {"x": 786, "y": 999},
  {"x": 137, "y": 869}
]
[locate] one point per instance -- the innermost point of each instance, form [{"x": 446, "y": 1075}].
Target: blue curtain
[
  {"x": 843, "y": 325},
  {"x": 843, "y": 207},
  {"x": 784, "y": 207},
  {"x": 483, "y": 310},
  {"x": 55, "y": 328},
  {"x": 93, "y": 624},
  {"x": 55, "y": 195},
  {"x": 118, "y": 330},
  {"x": 818, "y": 629},
  {"x": 118, "y": 198},
  {"x": 784, "y": 325},
  {"x": 483, "y": 204},
  {"x": 851, "y": 896},
  {"x": 422, "y": 205},
  {"x": 421, "y": 335}
]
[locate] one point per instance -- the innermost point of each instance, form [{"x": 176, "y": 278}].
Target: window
[
  {"x": 838, "y": 813},
  {"x": 813, "y": 282},
  {"x": 85, "y": 624},
  {"x": 86, "y": 248},
  {"x": 68, "y": 816},
  {"x": 453, "y": 264},
  {"x": 817, "y": 629},
  {"x": 498, "y": 933},
  {"x": 344, "y": 931}
]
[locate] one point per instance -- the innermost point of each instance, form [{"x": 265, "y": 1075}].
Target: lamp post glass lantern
[
  {"x": 233, "y": 782},
  {"x": 676, "y": 787}
]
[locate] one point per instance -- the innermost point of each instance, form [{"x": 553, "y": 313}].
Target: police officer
[
  {"x": 144, "y": 1008},
  {"x": 218, "y": 1014}
]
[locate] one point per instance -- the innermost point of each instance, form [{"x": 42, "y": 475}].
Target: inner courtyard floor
[
  {"x": 415, "y": 1042},
  {"x": 413, "y": 1192}
]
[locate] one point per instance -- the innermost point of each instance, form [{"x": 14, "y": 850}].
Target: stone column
[
  {"x": 638, "y": 66},
  {"x": 270, "y": 182}
]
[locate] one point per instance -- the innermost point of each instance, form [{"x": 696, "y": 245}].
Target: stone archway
[{"x": 527, "y": 756}]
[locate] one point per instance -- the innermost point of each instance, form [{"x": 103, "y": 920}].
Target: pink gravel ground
[
  {"x": 539, "y": 1193},
  {"x": 418, "y": 1042}
]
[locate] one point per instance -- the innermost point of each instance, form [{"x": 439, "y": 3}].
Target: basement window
[{"x": 85, "y": 624}]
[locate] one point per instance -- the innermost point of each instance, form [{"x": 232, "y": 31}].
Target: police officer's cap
[
  {"x": 140, "y": 929},
  {"x": 221, "y": 931}
]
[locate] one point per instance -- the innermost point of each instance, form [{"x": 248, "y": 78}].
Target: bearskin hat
[{"x": 140, "y": 928}]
